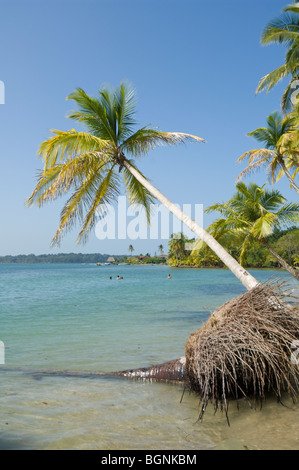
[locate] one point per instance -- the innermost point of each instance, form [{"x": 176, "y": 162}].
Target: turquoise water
[{"x": 75, "y": 318}]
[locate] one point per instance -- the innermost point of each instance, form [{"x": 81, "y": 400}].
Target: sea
[{"x": 65, "y": 327}]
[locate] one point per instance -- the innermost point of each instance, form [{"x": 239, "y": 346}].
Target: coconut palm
[
  {"x": 176, "y": 245},
  {"x": 131, "y": 249},
  {"x": 253, "y": 213},
  {"x": 284, "y": 30},
  {"x": 91, "y": 164},
  {"x": 161, "y": 247},
  {"x": 281, "y": 152}
]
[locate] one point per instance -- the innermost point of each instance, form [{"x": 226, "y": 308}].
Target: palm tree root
[{"x": 244, "y": 350}]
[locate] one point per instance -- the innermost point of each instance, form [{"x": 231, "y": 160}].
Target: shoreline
[{"x": 164, "y": 265}]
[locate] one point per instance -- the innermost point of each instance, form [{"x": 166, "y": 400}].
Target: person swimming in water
[{"x": 169, "y": 276}]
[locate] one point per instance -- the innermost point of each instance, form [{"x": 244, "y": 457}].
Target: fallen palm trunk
[{"x": 170, "y": 371}]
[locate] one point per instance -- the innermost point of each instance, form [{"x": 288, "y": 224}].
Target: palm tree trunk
[
  {"x": 281, "y": 261},
  {"x": 248, "y": 281},
  {"x": 288, "y": 175}
]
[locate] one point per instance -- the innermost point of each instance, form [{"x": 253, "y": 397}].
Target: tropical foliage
[
  {"x": 284, "y": 30},
  {"x": 280, "y": 154},
  {"x": 252, "y": 214},
  {"x": 284, "y": 242},
  {"x": 177, "y": 249},
  {"x": 92, "y": 165}
]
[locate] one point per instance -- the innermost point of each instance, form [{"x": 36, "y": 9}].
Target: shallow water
[{"x": 74, "y": 318}]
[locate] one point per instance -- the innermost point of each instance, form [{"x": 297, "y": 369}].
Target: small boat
[{"x": 98, "y": 264}]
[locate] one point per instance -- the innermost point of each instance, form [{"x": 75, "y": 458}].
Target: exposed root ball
[{"x": 245, "y": 349}]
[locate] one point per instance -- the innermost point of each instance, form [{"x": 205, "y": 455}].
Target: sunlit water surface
[{"x": 74, "y": 318}]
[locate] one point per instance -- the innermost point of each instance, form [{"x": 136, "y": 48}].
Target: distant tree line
[{"x": 57, "y": 258}]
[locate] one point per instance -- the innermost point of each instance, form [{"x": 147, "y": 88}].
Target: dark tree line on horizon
[{"x": 286, "y": 241}]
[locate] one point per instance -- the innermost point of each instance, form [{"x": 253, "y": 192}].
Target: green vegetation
[
  {"x": 284, "y": 242},
  {"x": 251, "y": 215},
  {"x": 280, "y": 154},
  {"x": 283, "y": 30},
  {"x": 57, "y": 258},
  {"x": 143, "y": 260}
]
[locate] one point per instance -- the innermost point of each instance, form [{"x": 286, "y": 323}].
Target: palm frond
[
  {"x": 288, "y": 214},
  {"x": 125, "y": 104},
  {"x": 271, "y": 200},
  {"x": 252, "y": 168},
  {"x": 65, "y": 145},
  {"x": 57, "y": 181},
  {"x": 244, "y": 249},
  {"x": 76, "y": 205},
  {"x": 263, "y": 226},
  {"x": 137, "y": 193},
  {"x": 271, "y": 79},
  {"x": 93, "y": 113},
  {"x": 43, "y": 190},
  {"x": 256, "y": 154},
  {"x": 282, "y": 30},
  {"x": 294, "y": 8},
  {"x": 273, "y": 169},
  {"x": 104, "y": 195},
  {"x": 146, "y": 139}
]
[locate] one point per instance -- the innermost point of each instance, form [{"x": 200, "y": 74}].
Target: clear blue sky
[{"x": 195, "y": 65}]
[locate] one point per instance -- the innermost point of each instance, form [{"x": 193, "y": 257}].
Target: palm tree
[
  {"x": 284, "y": 30},
  {"x": 280, "y": 154},
  {"x": 131, "y": 249},
  {"x": 177, "y": 247},
  {"x": 253, "y": 213},
  {"x": 92, "y": 163},
  {"x": 161, "y": 249}
]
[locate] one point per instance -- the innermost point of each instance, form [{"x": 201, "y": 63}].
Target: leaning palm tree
[
  {"x": 284, "y": 30},
  {"x": 253, "y": 213},
  {"x": 91, "y": 164},
  {"x": 280, "y": 154}
]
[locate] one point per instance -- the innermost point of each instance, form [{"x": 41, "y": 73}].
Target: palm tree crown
[
  {"x": 91, "y": 163},
  {"x": 253, "y": 213},
  {"x": 280, "y": 152},
  {"x": 283, "y": 30}
]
